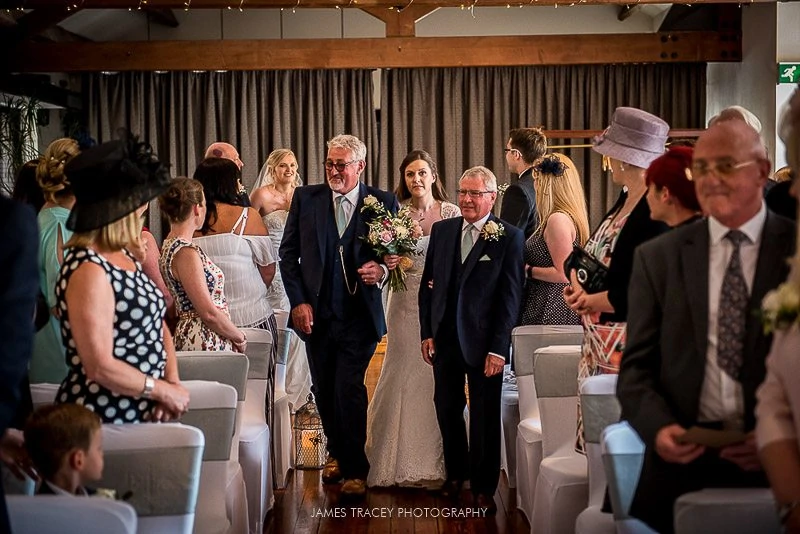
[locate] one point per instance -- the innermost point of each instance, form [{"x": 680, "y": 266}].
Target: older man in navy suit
[
  {"x": 333, "y": 280},
  {"x": 19, "y": 285},
  {"x": 469, "y": 301}
]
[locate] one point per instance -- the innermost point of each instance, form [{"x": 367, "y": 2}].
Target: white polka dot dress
[{"x": 138, "y": 339}]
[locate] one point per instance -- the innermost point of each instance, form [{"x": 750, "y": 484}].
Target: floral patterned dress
[
  {"x": 603, "y": 342},
  {"x": 192, "y": 333}
]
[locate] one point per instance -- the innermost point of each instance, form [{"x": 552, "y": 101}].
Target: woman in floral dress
[
  {"x": 634, "y": 139},
  {"x": 194, "y": 281}
]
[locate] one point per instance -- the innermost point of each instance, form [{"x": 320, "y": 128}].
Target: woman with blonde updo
[
  {"x": 47, "y": 363},
  {"x": 194, "y": 281}
]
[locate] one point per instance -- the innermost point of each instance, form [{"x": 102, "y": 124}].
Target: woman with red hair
[{"x": 670, "y": 193}]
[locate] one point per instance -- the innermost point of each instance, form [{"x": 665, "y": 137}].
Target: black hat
[{"x": 112, "y": 180}]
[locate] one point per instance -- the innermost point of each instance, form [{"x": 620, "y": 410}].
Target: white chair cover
[
  {"x": 282, "y": 433},
  {"x": 738, "y": 511},
  {"x": 160, "y": 465},
  {"x": 523, "y": 444},
  {"x": 222, "y": 502},
  {"x": 56, "y": 514},
  {"x": 623, "y": 455},
  {"x": 255, "y": 437},
  {"x": 43, "y": 393},
  {"x": 600, "y": 409},
  {"x": 562, "y": 485}
]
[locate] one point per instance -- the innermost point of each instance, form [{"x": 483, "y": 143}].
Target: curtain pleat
[
  {"x": 462, "y": 116},
  {"x": 181, "y": 113}
]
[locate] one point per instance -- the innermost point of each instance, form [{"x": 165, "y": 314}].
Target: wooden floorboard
[{"x": 306, "y": 506}]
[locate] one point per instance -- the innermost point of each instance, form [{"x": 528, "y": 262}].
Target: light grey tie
[
  {"x": 466, "y": 242},
  {"x": 341, "y": 215}
]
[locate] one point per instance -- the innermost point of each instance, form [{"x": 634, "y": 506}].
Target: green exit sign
[{"x": 788, "y": 72}]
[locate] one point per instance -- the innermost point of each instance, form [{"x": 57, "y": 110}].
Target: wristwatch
[
  {"x": 149, "y": 386},
  {"x": 785, "y": 510}
]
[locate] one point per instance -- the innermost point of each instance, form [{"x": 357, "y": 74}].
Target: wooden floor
[{"x": 306, "y": 506}]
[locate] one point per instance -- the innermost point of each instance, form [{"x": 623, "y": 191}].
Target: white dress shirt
[
  {"x": 721, "y": 397},
  {"x": 350, "y": 206}
]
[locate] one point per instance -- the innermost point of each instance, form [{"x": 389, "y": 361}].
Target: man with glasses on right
[
  {"x": 696, "y": 348},
  {"x": 523, "y": 150}
]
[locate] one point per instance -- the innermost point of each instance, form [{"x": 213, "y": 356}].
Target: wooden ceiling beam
[
  {"x": 37, "y": 21},
  {"x": 389, "y": 52},
  {"x": 401, "y": 22},
  {"x": 250, "y": 4}
]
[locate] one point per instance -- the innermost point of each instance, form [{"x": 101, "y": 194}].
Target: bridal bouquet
[{"x": 392, "y": 234}]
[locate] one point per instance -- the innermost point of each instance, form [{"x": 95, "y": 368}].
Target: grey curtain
[
  {"x": 462, "y": 116},
  {"x": 181, "y": 113}
]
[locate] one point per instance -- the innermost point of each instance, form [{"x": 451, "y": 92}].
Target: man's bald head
[{"x": 224, "y": 150}]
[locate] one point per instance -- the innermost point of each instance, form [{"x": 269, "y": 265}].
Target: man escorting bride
[{"x": 404, "y": 445}]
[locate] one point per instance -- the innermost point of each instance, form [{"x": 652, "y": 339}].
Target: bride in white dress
[
  {"x": 272, "y": 196},
  {"x": 404, "y": 444}
]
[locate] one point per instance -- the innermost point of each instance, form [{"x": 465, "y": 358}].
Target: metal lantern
[{"x": 309, "y": 437}]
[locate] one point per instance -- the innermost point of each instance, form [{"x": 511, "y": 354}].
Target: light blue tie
[
  {"x": 466, "y": 242},
  {"x": 341, "y": 215}
]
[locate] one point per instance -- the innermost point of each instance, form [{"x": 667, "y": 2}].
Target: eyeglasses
[
  {"x": 471, "y": 194},
  {"x": 340, "y": 167},
  {"x": 510, "y": 150},
  {"x": 724, "y": 168}
]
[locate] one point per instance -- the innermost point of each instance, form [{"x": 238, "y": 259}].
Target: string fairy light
[{"x": 294, "y": 9}]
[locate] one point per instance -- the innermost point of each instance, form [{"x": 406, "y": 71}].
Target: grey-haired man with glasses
[
  {"x": 333, "y": 280},
  {"x": 696, "y": 347}
]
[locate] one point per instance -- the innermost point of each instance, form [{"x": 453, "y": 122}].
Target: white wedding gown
[
  {"x": 404, "y": 443},
  {"x": 298, "y": 375}
]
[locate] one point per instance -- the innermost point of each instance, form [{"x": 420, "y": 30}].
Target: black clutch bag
[{"x": 590, "y": 273}]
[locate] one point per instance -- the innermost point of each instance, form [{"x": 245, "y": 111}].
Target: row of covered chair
[
  {"x": 561, "y": 491},
  {"x": 233, "y": 486}
]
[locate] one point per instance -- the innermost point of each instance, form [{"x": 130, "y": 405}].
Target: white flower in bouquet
[
  {"x": 370, "y": 200},
  {"x": 780, "y": 308}
]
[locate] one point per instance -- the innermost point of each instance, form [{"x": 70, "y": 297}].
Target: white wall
[
  {"x": 211, "y": 24},
  {"x": 750, "y": 83}
]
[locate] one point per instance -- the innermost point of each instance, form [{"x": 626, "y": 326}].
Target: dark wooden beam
[
  {"x": 402, "y": 21},
  {"x": 37, "y": 21},
  {"x": 390, "y": 52},
  {"x": 163, "y": 16},
  {"x": 250, "y": 4}
]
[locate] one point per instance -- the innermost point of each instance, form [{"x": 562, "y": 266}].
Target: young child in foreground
[{"x": 65, "y": 443}]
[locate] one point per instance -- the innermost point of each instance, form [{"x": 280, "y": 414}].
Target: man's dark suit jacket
[
  {"x": 19, "y": 285},
  {"x": 519, "y": 204},
  {"x": 663, "y": 366},
  {"x": 489, "y": 294},
  {"x": 303, "y": 247}
]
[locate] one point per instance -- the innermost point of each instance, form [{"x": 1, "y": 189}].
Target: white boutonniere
[
  {"x": 105, "y": 493},
  {"x": 493, "y": 231},
  {"x": 501, "y": 188},
  {"x": 781, "y": 307},
  {"x": 369, "y": 200}
]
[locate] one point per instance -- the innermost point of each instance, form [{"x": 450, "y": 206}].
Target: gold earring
[{"x": 606, "y": 163}]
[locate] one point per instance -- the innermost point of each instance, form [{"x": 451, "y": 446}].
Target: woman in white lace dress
[
  {"x": 272, "y": 197},
  {"x": 404, "y": 444}
]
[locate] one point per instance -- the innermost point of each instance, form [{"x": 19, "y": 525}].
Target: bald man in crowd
[
  {"x": 228, "y": 151},
  {"x": 696, "y": 349}
]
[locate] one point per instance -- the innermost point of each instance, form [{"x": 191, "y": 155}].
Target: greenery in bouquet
[{"x": 391, "y": 233}]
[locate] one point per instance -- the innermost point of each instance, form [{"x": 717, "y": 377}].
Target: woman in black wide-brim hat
[{"x": 120, "y": 355}]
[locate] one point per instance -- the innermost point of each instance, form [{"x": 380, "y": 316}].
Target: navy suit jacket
[
  {"x": 489, "y": 292},
  {"x": 19, "y": 285},
  {"x": 303, "y": 248}
]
